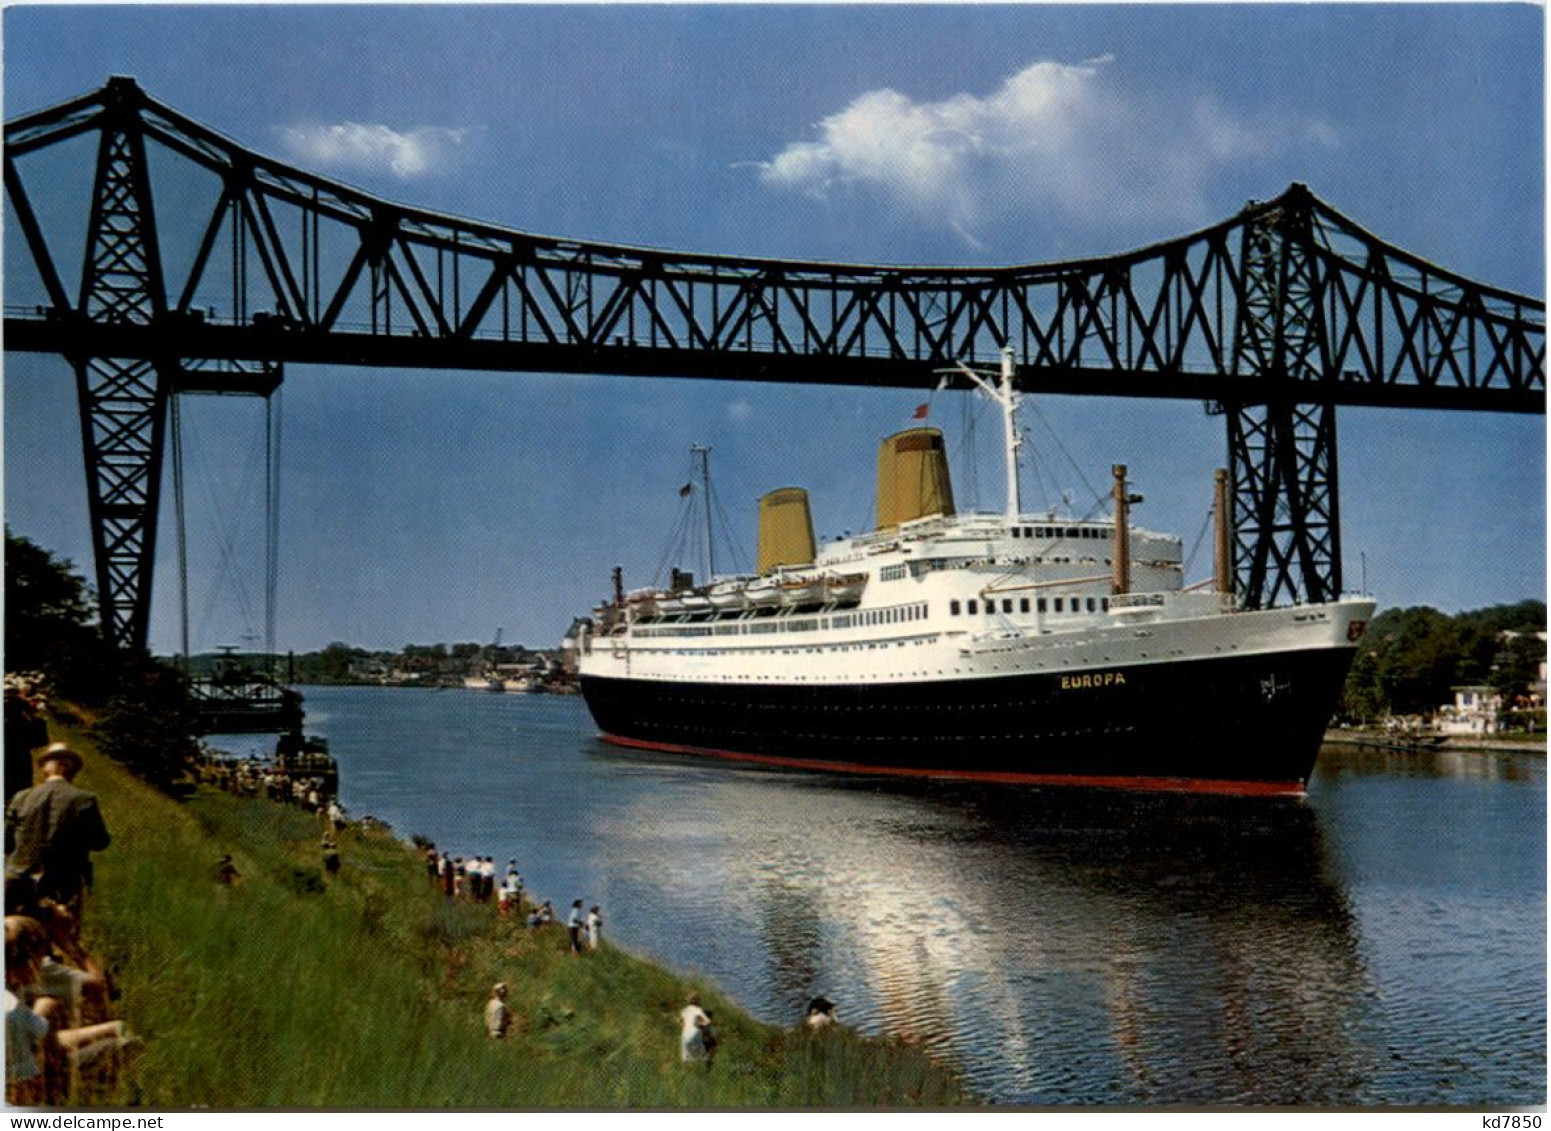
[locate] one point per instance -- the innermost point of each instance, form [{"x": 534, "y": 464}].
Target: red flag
[{"x": 921, "y": 411}]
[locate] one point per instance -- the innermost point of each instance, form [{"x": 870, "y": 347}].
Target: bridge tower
[
  {"x": 123, "y": 400},
  {"x": 1282, "y": 449}
]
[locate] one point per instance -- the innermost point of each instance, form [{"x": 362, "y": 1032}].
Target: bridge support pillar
[
  {"x": 123, "y": 401},
  {"x": 1282, "y": 451},
  {"x": 1286, "y": 528}
]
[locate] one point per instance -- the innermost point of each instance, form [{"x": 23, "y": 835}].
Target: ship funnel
[
  {"x": 912, "y": 477},
  {"x": 785, "y": 529}
]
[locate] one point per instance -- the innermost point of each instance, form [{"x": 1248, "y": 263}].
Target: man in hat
[{"x": 52, "y": 829}]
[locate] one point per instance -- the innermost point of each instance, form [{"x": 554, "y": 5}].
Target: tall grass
[{"x": 370, "y": 992}]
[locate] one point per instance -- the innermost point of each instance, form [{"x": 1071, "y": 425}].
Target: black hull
[{"x": 1241, "y": 724}]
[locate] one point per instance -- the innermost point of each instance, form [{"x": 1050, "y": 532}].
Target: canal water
[{"x": 1380, "y": 942}]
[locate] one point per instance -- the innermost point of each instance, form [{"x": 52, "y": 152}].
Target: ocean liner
[{"x": 1012, "y": 647}]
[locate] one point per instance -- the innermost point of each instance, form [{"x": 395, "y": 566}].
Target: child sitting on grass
[{"x": 40, "y": 1052}]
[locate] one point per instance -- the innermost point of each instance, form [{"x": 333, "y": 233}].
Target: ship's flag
[
  {"x": 921, "y": 411},
  {"x": 686, "y": 489}
]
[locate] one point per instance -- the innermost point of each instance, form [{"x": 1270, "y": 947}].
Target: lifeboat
[
  {"x": 695, "y": 601},
  {"x": 762, "y": 594},
  {"x": 801, "y": 590},
  {"x": 642, "y": 602},
  {"x": 729, "y": 594},
  {"x": 845, "y": 588}
]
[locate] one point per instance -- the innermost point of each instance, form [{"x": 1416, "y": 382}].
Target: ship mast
[
  {"x": 1008, "y": 399},
  {"x": 702, "y": 457}
]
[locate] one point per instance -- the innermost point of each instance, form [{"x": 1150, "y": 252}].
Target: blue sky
[{"x": 438, "y": 506}]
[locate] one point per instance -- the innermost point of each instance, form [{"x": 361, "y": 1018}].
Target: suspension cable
[
  {"x": 176, "y": 402},
  {"x": 272, "y": 427}
]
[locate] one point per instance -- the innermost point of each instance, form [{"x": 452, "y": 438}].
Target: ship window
[
  {"x": 1092, "y": 605},
  {"x": 1058, "y": 604},
  {"x": 1023, "y": 604},
  {"x": 953, "y": 608},
  {"x": 974, "y": 607},
  {"x": 1006, "y": 604},
  {"x": 1104, "y": 603},
  {"x": 1017, "y": 532},
  {"x": 1041, "y": 605},
  {"x": 1072, "y": 532}
]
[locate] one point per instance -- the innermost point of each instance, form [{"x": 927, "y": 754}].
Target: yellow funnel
[
  {"x": 785, "y": 529},
  {"x": 912, "y": 477}
]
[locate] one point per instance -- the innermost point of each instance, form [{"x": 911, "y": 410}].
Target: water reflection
[
  {"x": 1381, "y": 942},
  {"x": 1207, "y": 936},
  {"x": 1511, "y": 766}
]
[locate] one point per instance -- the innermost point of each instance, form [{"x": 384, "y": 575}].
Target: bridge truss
[{"x": 1274, "y": 317}]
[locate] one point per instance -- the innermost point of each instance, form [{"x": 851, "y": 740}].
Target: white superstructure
[{"x": 950, "y": 596}]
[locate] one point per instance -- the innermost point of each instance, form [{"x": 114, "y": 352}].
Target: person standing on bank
[
  {"x": 52, "y": 829},
  {"x": 573, "y": 924},
  {"x": 498, "y": 1015},
  {"x": 697, "y": 1040},
  {"x": 594, "y": 928}
]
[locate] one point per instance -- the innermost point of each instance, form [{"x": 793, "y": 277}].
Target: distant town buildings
[
  {"x": 511, "y": 668},
  {"x": 1479, "y": 709},
  {"x": 1475, "y": 710}
]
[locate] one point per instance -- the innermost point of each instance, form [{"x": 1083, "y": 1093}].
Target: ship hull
[{"x": 1247, "y": 724}]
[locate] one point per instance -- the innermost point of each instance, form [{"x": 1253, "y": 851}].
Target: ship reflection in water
[
  {"x": 1381, "y": 942},
  {"x": 1073, "y": 947}
]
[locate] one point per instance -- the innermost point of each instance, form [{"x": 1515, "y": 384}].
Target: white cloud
[
  {"x": 740, "y": 412},
  {"x": 1054, "y": 135},
  {"x": 373, "y": 147}
]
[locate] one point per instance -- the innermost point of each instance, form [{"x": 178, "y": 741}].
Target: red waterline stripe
[{"x": 1159, "y": 785}]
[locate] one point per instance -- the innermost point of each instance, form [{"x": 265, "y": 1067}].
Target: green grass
[{"x": 370, "y": 993}]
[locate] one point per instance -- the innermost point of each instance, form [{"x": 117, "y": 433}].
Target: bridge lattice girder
[{"x": 1288, "y": 303}]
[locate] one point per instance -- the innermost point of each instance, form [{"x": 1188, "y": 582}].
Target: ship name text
[{"x": 1090, "y": 680}]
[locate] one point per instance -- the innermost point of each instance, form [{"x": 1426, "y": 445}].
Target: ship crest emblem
[
  {"x": 1355, "y": 630},
  {"x": 1273, "y": 685}
]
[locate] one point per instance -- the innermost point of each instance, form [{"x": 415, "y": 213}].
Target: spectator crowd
[{"x": 60, "y": 1030}]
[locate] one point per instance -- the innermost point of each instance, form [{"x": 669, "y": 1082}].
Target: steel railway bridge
[{"x": 208, "y": 267}]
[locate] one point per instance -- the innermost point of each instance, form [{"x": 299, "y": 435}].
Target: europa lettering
[{"x": 1094, "y": 679}]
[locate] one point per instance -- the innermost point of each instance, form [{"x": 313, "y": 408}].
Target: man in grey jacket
[{"x": 52, "y": 829}]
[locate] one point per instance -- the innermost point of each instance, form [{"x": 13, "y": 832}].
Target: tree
[
  {"x": 149, "y": 722},
  {"x": 1517, "y": 665},
  {"x": 146, "y": 719},
  {"x": 333, "y": 664},
  {"x": 48, "y": 621},
  {"x": 1411, "y": 659},
  {"x": 1363, "y": 695}
]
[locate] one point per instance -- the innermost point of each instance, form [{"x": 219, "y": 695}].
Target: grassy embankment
[{"x": 370, "y": 993}]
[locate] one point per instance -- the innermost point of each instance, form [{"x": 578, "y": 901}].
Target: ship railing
[{"x": 1183, "y": 601}]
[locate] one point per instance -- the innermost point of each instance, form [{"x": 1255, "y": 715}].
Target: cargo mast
[{"x": 1008, "y": 399}]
